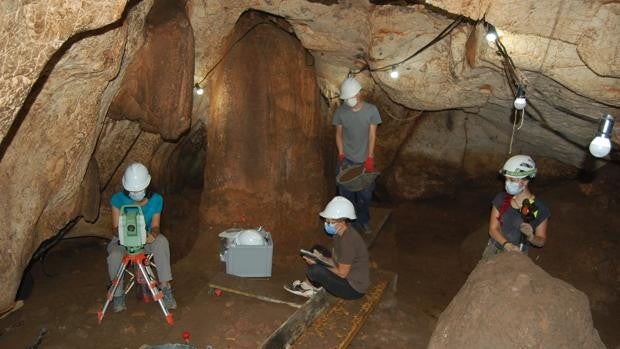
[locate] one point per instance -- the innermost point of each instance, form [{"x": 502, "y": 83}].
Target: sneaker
[
  {"x": 308, "y": 286},
  {"x": 169, "y": 300},
  {"x": 119, "y": 304},
  {"x": 297, "y": 287}
]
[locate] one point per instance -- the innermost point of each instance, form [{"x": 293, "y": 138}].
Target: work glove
[
  {"x": 340, "y": 160},
  {"x": 527, "y": 230},
  {"x": 511, "y": 247},
  {"x": 369, "y": 165}
]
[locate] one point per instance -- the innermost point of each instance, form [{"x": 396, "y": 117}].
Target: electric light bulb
[
  {"x": 394, "y": 73},
  {"x": 600, "y": 146},
  {"x": 199, "y": 89},
  {"x": 491, "y": 37},
  {"x": 520, "y": 102}
]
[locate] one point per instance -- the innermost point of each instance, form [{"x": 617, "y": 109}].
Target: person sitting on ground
[
  {"x": 518, "y": 219},
  {"x": 349, "y": 277},
  {"x": 136, "y": 191}
]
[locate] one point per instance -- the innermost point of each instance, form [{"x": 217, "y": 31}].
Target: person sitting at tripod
[{"x": 136, "y": 181}]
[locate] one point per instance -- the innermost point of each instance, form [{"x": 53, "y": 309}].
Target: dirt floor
[{"x": 422, "y": 242}]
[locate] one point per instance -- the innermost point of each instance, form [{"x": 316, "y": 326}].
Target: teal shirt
[{"x": 154, "y": 206}]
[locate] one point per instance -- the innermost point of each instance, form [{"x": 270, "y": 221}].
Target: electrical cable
[
  {"x": 237, "y": 41},
  {"x": 447, "y": 30},
  {"x": 514, "y": 130}
]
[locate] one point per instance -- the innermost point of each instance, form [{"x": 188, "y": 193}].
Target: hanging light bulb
[
  {"x": 601, "y": 145},
  {"x": 199, "y": 90},
  {"x": 491, "y": 35},
  {"x": 394, "y": 72},
  {"x": 520, "y": 101}
]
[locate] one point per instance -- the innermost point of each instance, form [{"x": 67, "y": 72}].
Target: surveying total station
[{"x": 132, "y": 236}]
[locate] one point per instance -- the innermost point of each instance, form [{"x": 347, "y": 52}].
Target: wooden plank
[
  {"x": 378, "y": 217},
  {"x": 265, "y": 289},
  {"x": 296, "y": 323},
  {"x": 336, "y": 327},
  {"x": 257, "y": 296},
  {"x": 336, "y": 321}
]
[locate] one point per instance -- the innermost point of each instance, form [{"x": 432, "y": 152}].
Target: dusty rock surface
[
  {"x": 509, "y": 302},
  {"x": 63, "y": 64},
  {"x": 553, "y": 44},
  {"x": 157, "y": 85}
]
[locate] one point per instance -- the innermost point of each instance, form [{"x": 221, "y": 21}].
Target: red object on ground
[
  {"x": 186, "y": 335},
  {"x": 218, "y": 292}
]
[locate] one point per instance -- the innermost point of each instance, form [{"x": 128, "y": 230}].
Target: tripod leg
[
  {"x": 156, "y": 293},
  {"x": 131, "y": 282},
  {"x": 113, "y": 288}
]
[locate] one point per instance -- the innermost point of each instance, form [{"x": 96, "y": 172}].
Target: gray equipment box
[{"x": 248, "y": 260}]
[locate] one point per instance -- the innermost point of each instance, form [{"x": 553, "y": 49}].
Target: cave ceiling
[{"x": 565, "y": 52}]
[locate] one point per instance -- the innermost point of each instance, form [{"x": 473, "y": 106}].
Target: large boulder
[{"x": 509, "y": 302}]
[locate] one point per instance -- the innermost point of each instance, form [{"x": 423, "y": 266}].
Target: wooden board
[
  {"x": 336, "y": 321},
  {"x": 266, "y": 289},
  {"x": 378, "y": 217},
  {"x": 297, "y": 323}
]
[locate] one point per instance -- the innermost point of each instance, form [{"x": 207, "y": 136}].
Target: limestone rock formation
[
  {"x": 509, "y": 302},
  {"x": 157, "y": 85},
  {"x": 45, "y": 164},
  {"x": 264, "y": 165},
  {"x": 547, "y": 41},
  {"x": 31, "y": 33}
]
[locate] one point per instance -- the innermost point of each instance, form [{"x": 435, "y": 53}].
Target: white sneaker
[
  {"x": 297, "y": 287},
  {"x": 308, "y": 286}
]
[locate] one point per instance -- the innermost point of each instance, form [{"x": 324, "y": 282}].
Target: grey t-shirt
[
  {"x": 355, "y": 129},
  {"x": 351, "y": 249},
  {"x": 511, "y": 220}
]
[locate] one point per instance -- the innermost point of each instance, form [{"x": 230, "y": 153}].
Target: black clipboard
[{"x": 321, "y": 260}]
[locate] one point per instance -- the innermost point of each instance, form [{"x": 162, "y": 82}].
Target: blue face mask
[
  {"x": 137, "y": 195},
  {"x": 513, "y": 188},
  {"x": 330, "y": 229}
]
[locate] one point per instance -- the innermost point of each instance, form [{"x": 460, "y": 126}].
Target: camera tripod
[{"x": 140, "y": 260}]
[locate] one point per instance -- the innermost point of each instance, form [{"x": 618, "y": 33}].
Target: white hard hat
[
  {"x": 136, "y": 177},
  {"x": 250, "y": 237},
  {"x": 339, "y": 207},
  {"x": 349, "y": 88},
  {"x": 519, "y": 166}
]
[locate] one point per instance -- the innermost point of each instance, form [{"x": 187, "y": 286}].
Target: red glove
[{"x": 369, "y": 165}]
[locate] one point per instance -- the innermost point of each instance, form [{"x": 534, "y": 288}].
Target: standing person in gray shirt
[{"x": 356, "y": 132}]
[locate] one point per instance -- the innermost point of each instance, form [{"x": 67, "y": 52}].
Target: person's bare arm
[
  {"x": 341, "y": 270},
  {"x": 339, "y": 142},
  {"x": 155, "y": 221},
  {"x": 115, "y": 215},
  {"x": 372, "y": 138},
  {"x": 538, "y": 237}
]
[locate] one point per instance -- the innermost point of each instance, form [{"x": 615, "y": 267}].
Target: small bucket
[{"x": 355, "y": 178}]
